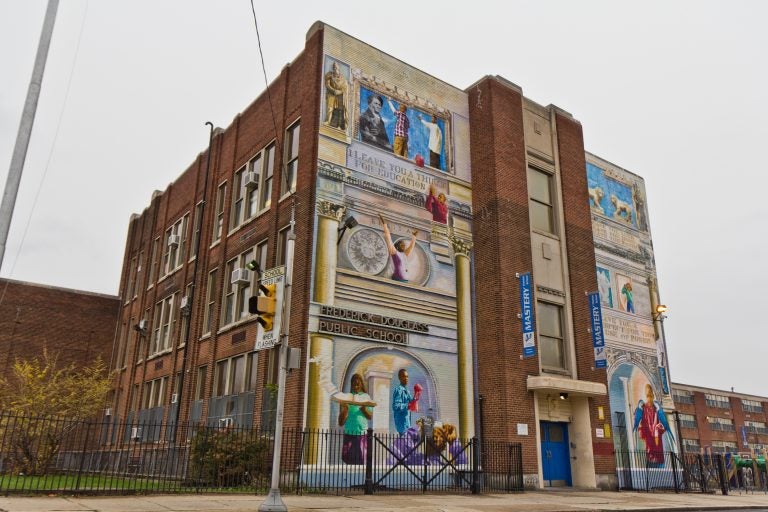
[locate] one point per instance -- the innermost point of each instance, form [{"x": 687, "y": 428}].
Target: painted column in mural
[
  {"x": 329, "y": 216},
  {"x": 461, "y": 250}
]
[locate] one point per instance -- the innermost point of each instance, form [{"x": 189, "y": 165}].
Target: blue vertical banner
[
  {"x": 664, "y": 381},
  {"x": 598, "y": 338},
  {"x": 526, "y": 308}
]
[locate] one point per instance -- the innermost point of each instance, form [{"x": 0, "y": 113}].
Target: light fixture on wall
[
  {"x": 349, "y": 222},
  {"x": 563, "y": 396}
]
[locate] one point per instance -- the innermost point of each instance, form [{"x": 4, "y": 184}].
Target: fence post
[
  {"x": 475, "y": 466},
  {"x": 702, "y": 474},
  {"x": 674, "y": 470},
  {"x": 369, "y": 461},
  {"x": 82, "y": 455},
  {"x": 721, "y": 476}
]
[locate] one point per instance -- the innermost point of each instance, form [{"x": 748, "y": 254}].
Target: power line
[{"x": 264, "y": 69}]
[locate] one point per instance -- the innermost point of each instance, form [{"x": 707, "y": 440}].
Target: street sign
[{"x": 268, "y": 339}]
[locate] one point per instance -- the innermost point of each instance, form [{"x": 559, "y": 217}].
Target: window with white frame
[
  {"x": 235, "y": 375},
  {"x": 757, "y": 427},
  {"x": 691, "y": 445},
  {"x": 541, "y": 204},
  {"x": 162, "y": 326},
  {"x": 237, "y": 287},
  {"x": 722, "y": 424},
  {"x": 129, "y": 289},
  {"x": 184, "y": 315},
  {"x": 724, "y": 447},
  {"x": 282, "y": 245},
  {"x": 551, "y": 337},
  {"x": 154, "y": 393},
  {"x": 266, "y": 165},
  {"x": 218, "y": 222},
  {"x": 202, "y": 372},
  {"x": 291, "y": 158},
  {"x": 718, "y": 401},
  {"x": 175, "y": 245},
  {"x": 210, "y": 301},
  {"x": 751, "y": 406},
  {"x": 197, "y": 223},
  {"x": 687, "y": 420},
  {"x": 682, "y": 396}
]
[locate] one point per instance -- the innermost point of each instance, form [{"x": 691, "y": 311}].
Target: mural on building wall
[
  {"x": 611, "y": 197},
  {"x": 604, "y": 287},
  {"x": 389, "y": 347},
  {"x": 626, "y": 295},
  {"x": 638, "y": 417},
  {"x": 403, "y": 129}
]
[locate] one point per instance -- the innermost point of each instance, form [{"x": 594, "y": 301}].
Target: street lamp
[{"x": 659, "y": 315}]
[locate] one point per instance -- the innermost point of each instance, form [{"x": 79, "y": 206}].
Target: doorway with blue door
[{"x": 555, "y": 454}]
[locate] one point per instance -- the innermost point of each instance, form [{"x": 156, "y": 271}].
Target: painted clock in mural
[{"x": 367, "y": 251}]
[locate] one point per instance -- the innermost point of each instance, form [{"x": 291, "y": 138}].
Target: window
[
  {"x": 722, "y": 424},
  {"x": 175, "y": 244},
  {"x": 236, "y": 375},
  {"x": 218, "y": 224},
  {"x": 153, "y": 263},
  {"x": 724, "y": 447},
  {"x": 751, "y": 406},
  {"x": 135, "y": 398},
  {"x": 718, "y": 401},
  {"x": 691, "y": 445},
  {"x": 198, "y": 221},
  {"x": 236, "y": 294},
  {"x": 184, "y": 314},
  {"x": 291, "y": 159},
  {"x": 552, "y": 346},
  {"x": 757, "y": 427},
  {"x": 282, "y": 245},
  {"x": 681, "y": 396},
  {"x": 162, "y": 326},
  {"x": 210, "y": 301},
  {"x": 267, "y": 165},
  {"x": 541, "y": 205},
  {"x": 687, "y": 420},
  {"x": 129, "y": 289},
  {"x": 154, "y": 393},
  {"x": 202, "y": 372}
]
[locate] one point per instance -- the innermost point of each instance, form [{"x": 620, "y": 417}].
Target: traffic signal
[{"x": 264, "y": 305}]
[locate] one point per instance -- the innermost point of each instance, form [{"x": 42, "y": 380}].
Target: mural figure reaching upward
[
  {"x": 435, "y": 141},
  {"x": 437, "y": 206},
  {"x": 402, "y": 125},
  {"x": 399, "y": 253}
]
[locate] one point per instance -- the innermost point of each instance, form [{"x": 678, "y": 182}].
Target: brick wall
[{"x": 75, "y": 325}]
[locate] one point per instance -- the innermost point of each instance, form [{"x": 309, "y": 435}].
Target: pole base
[{"x": 273, "y": 503}]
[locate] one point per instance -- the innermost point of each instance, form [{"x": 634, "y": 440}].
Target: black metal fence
[
  {"x": 44, "y": 455},
  {"x": 670, "y": 471}
]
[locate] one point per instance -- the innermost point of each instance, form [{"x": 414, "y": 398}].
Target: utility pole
[
  {"x": 25, "y": 127},
  {"x": 274, "y": 503}
]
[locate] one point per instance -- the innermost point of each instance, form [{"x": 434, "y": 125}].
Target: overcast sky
[{"x": 672, "y": 91}]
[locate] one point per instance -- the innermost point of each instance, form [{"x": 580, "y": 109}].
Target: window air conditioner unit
[
  {"x": 108, "y": 411},
  {"x": 174, "y": 398},
  {"x": 135, "y": 433},
  {"x": 226, "y": 422},
  {"x": 251, "y": 180},
  {"x": 174, "y": 240},
  {"x": 184, "y": 302},
  {"x": 241, "y": 276}
]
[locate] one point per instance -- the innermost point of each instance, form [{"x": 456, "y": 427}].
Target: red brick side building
[
  {"x": 717, "y": 421},
  {"x": 73, "y": 325}
]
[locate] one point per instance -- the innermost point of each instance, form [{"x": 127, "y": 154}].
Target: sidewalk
[{"x": 540, "y": 501}]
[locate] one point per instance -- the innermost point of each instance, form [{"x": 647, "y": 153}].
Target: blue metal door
[{"x": 555, "y": 454}]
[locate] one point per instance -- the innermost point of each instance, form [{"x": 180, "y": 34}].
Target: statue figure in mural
[
  {"x": 402, "y": 125},
  {"x": 626, "y": 291},
  {"x": 372, "y": 129},
  {"x": 399, "y": 253},
  {"x": 622, "y": 209},
  {"x": 637, "y": 195},
  {"x": 596, "y": 195},
  {"x": 651, "y": 424},
  {"x": 435, "y": 141},
  {"x": 354, "y": 419},
  {"x": 403, "y": 402},
  {"x": 437, "y": 206},
  {"x": 336, "y": 94}
]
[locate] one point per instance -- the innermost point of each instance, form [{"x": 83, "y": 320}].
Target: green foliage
[
  {"x": 38, "y": 391},
  {"x": 229, "y": 457}
]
